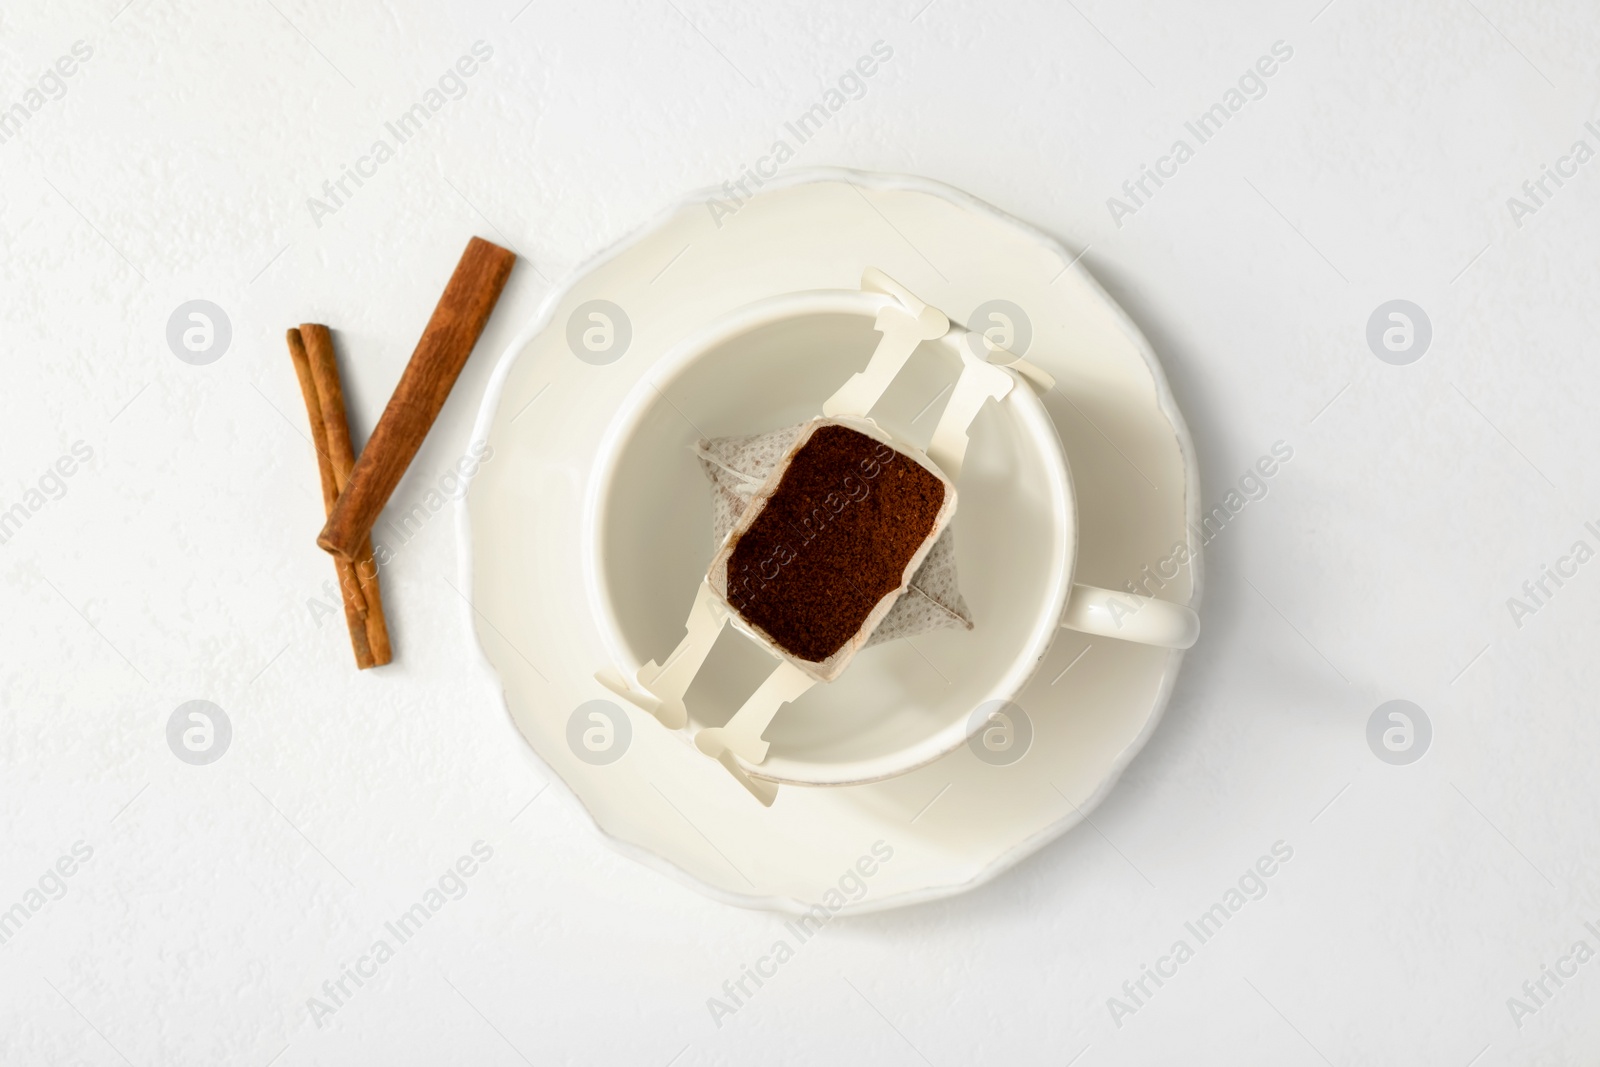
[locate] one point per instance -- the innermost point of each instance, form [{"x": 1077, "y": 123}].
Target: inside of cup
[{"x": 899, "y": 703}]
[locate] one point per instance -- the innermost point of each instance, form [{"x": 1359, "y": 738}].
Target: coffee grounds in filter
[
  {"x": 738, "y": 468},
  {"x": 832, "y": 541}
]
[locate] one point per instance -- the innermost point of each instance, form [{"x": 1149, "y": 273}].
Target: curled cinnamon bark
[
  {"x": 451, "y": 333},
  {"x": 330, "y": 436}
]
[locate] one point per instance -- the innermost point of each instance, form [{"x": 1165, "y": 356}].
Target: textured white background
[{"x": 179, "y": 563}]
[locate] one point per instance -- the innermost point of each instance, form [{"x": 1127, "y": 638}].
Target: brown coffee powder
[{"x": 833, "y": 539}]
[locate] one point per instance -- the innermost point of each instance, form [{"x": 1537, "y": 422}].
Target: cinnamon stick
[
  {"x": 457, "y": 322},
  {"x": 341, "y": 458},
  {"x": 356, "y": 608}
]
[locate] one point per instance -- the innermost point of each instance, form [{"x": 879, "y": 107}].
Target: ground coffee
[{"x": 833, "y": 539}]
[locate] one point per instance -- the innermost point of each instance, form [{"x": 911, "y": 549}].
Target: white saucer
[{"x": 959, "y": 821}]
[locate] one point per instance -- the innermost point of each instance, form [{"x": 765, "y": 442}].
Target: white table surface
[{"x": 176, "y": 562}]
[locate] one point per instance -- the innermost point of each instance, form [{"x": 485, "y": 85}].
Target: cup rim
[{"x": 1030, "y": 413}]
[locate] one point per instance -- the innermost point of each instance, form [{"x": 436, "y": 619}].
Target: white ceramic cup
[{"x": 900, "y": 704}]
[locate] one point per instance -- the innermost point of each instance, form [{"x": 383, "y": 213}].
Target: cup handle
[{"x": 1130, "y": 617}]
